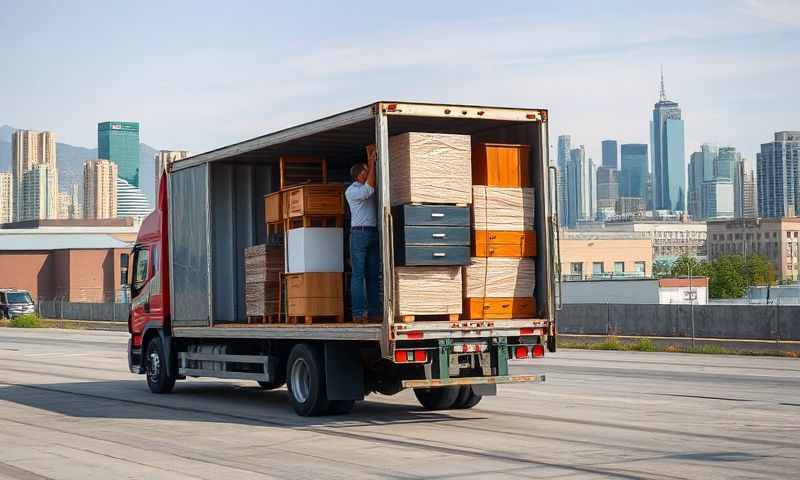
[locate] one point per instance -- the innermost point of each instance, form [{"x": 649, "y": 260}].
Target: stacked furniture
[
  {"x": 430, "y": 195},
  {"x": 307, "y": 219},
  {"x": 500, "y": 281},
  {"x": 263, "y": 266}
]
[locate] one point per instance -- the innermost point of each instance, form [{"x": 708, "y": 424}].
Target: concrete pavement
[{"x": 70, "y": 409}]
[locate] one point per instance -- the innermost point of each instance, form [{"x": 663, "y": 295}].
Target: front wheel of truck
[
  {"x": 159, "y": 378},
  {"x": 440, "y": 398}
]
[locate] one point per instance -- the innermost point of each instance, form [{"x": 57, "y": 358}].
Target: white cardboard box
[{"x": 315, "y": 249}]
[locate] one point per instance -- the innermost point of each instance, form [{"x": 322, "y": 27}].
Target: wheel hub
[
  {"x": 154, "y": 367},
  {"x": 301, "y": 380}
]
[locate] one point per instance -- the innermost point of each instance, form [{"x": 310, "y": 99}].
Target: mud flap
[{"x": 344, "y": 372}]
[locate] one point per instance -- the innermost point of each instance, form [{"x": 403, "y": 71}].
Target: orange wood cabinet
[
  {"x": 320, "y": 285},
  {"x": 500, "y": 165},
  {"x": 272, "y": 207},
  {"x": 313, "y": 199},
  {"x": 311, "y": 307},
  {"x": 489, "y": 243},
  {"x": 499, "y": 308},
  {"x": 295, "y": 170}
]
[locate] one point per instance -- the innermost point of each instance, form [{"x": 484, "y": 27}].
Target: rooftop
[{"x": 58, "y": 241}]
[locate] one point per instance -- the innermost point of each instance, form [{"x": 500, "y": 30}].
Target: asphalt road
[{"x": 70, "y": 409}]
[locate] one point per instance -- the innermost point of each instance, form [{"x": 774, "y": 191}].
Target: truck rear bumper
[{"x": 539, "y": 378}]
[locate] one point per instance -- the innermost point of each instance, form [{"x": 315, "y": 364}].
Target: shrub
[
  {"x": 25, "y": 321},
  {"x": 643, "y": 345}
]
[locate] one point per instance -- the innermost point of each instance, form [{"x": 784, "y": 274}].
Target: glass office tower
[{"x": 119, "y": 142}]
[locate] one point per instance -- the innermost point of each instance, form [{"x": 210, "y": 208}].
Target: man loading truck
[{"x": 364, "y": 254}]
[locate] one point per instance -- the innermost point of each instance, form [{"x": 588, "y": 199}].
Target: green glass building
[{"x": 119, "y": 142}]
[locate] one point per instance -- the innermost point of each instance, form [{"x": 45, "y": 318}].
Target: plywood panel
[
  {"x": 430, "y": 168},
  {"x": 428, "y": 290},
  {"x": 504, "y": 209},
  {"x": 500, "y": 277}
]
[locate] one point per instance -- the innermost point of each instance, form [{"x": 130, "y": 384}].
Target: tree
[
  {"x": 685, "y": 265},
  {"x": 758, "y": 271},
  {"x": 727, "y": 277},
  {"x": 661, "y": 269}
]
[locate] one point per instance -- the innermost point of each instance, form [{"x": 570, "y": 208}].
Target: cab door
[{"x": 140, "y": 296}]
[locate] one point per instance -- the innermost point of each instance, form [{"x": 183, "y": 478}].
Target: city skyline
[{"x": 590, "y": 66}]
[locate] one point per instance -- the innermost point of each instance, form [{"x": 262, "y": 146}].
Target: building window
[
  {"x": 619, "y": 267},
  {"x": 576, "y": 269},
  {"x": 639, "y": 267},
  {"x": 597, "y": 268},
  {"x": 123, "y": 268},
  {"x": 788, "y": 234}
]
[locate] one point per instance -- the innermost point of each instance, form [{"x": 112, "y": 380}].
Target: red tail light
[
  {"x": 410, "y": 356},
  {"x": 420, "y": 356},
  {"x": 414, "y": 335},
  {"x": 521, "y": 352},
  {"x": 400, "y": 356},
  {"x": 538, "y": 351}
]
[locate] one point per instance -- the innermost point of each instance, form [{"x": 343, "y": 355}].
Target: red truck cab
[{"x": 149, "y": 286}]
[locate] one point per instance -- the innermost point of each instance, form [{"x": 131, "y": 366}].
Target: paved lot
[{"x": 69, "y": 409}]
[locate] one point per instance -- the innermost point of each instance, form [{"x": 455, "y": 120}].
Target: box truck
[{"x": 188, "y": 315}]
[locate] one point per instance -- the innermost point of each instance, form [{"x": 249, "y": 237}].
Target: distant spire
[{"x": 662, "y": 95}]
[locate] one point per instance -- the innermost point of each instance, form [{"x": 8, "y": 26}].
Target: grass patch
[
  {"x": 645, "y": 344},
  {"x": 25, "y": 321}
]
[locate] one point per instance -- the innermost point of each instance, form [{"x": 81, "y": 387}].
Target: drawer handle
[
  {"x": 505, "y": 305},
  {"x": 439, "y": 235},
  {"x": 439, "y": 254},
  {"x": 437, "y": 215}
]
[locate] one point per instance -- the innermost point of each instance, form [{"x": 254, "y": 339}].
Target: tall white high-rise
[
  {"x": 6, "y": 198},
  {"x": 778, "y": 167},
  {"x": 164, "y": 158},
  {"x": 744, "y": 190},
  {"x": 131, "y": 202},
  {"x": 39, "y": 197},
  {"x": 581, "y": 188},
  {"x": 564, "y": 147},
  {"x": 99, "y": 189},
  {"x": 30, "y": 148}
]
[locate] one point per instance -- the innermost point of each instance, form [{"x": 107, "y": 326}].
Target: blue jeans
[{"x": 364, "y": 260}]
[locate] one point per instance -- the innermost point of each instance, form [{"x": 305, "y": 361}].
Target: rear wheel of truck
[
  {"x": 305, "y": 376},
  {"x": 159, "y": 378},
  {"x": 278, "y": 381},
  {"x": 440, "y": 398},
  {"x": 467, "y": 398}
]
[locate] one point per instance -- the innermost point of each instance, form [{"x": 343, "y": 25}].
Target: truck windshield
[{"x": 18, "y": 297}]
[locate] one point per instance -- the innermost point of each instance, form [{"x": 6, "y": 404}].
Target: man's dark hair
[{"x": 356, "y": 170}]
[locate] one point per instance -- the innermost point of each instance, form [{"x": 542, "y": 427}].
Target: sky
[{"x": 199, "y": 75}]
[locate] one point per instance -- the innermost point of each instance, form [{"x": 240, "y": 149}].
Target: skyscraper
[
  {"x": 29, "y": 148},
  {"x": 164, "y": 158},
  {"x": 564, "y": 147},
  {"x": 581, "y": 187},
  {"x": 131, "y": 202},
  {"x": 119, "y": 142},
  {"x": 610, "y": 154},
  {"x": 695, "y": 192},
  {"x": 669, "y": 162},
  {"x": 39, "y": 193},
  {"x": 607, "y": 188},
  {"x": 99, "y": 189},
  {"x": 6, "y": 198},
  {"x": 744, "y": 191},
  {"x": 718, "y": 199},
  {"x": 777, "y": 166},
  {"x": 726, "y": 163},
  {"x": 633, "y": 175}
]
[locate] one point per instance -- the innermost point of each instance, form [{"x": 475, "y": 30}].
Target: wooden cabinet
[
  {"x": 499, "y": 308},
  {"x": 499, "y": 165},
  {"x": 317, "y": 284},
  {"x": 272, "y": 207},
  {"x": 313, "y": 199},
  {"x": 490, "y": 243}
]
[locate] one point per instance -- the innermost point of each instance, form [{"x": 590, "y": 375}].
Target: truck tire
[
  {"x": 159, "y": 378},
  {"x": 467, "y": 398},
  {"x": 305, "y": 374},
  {"x": 441, "y": 398}
]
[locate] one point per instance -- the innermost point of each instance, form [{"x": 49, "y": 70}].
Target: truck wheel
[
  {"x": 467, "y": 398},
  {"x": 440, "y": 398},
  {"x": 306, "y": 381},
  {"x": 159, "y": 379}
]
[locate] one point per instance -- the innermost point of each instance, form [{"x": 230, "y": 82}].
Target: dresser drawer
[
  {"x": 429, "y": 215},
  {"x": 412, "y": 235},
  {"x": 432, "y": 255}
]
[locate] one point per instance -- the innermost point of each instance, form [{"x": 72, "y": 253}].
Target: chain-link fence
[{"x": 91, "y": 304}]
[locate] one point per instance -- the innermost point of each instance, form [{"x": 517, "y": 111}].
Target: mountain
[{"x": 69, "y": 160}]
